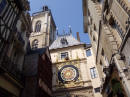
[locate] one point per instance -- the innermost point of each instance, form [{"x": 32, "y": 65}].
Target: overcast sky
[{"x": 65, "y": 13}]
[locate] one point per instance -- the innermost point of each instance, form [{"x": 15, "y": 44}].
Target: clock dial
[{"x": 68, "y": 73}]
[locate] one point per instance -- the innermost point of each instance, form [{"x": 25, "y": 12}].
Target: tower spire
[
  {"x": 57, "y": 32},
  {"x": 63, "y": 32},
  {"x": 70, "y": 31}
]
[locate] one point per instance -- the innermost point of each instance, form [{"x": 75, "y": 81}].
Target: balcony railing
[{"x": 11, "y": 68}]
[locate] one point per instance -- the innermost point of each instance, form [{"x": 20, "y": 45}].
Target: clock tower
[
  {"x": 71, "y": 75},
  {"x": 43, "y": 29}
]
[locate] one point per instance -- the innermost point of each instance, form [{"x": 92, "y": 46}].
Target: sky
[{"x": 65, "y": 13}]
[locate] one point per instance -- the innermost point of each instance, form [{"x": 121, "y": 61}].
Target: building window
[
  {"x": 94, "y": 38},
  {"x": 91, "y": 20},
  {"x": 102, "y": 52},
  {"x": 63, "y": 41},
  {"x": 114, "y": 25},
  {"x": 38, "y": 26},
  {"x": 88, "y": 53},
  {"x": 101, "y": 1},
  {"x": 101, "y": 63},
  {"x": 2, "y": 5},
  {"x": 35, "y": 44},
  {"x": 97, "y": 90},
  {"x": 95, "y": 27},
  {"x": 88, "y": 12},
  {"x": 93, "y": 72},
  {"x": 106, "y": 60},
  {"x": 64, "y": 55}
]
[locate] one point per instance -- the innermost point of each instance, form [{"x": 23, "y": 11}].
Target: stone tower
[{"x": 43, "y": 29}]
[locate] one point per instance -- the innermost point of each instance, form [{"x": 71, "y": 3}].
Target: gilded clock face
[{"x": 68, "y": 73}]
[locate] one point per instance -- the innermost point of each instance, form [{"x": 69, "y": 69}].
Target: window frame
[
  {"x": 88, "y": 50},
  {"x": 93, "y": 72},
  {"x": 66, "y": 55},
  {"x": 97, "y": 90}
]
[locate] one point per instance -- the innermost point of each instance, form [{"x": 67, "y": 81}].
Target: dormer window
[{"x": 63, "y": 41}]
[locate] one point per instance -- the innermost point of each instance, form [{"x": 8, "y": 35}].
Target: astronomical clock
[{"x": 68, "y": 73}]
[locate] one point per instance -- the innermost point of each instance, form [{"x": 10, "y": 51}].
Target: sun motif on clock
[{"x": 68, "y": 73}]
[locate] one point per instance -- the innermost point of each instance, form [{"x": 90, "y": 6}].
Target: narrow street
[{"x": 64, "y": 48}]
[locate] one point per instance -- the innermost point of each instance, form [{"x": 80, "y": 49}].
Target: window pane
[
  {"x": 88, "y": 53},
  {"x": 97, "y": 89},
  {"x": 93, "y": 72},
  {"x": 64, "y": 55}
]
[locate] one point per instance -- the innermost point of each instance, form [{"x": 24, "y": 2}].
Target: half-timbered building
[{"x": 14, "y": 32}]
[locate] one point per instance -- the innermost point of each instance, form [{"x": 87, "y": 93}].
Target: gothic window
[
  {"x": 38, "y": 26},
  {"x": 35, "y": 44},
  {"x": 93, "y": 72}
]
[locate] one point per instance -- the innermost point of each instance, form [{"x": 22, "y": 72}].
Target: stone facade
[
  {"x": 80, "y": 85},
  {"x": 43, "y": 29},
  {"x": 107, "y": 23}
]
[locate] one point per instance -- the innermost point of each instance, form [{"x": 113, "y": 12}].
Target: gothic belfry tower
[{"x": 43, "y": 29}]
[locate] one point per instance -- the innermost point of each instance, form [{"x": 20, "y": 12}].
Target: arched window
[
  {"x": 38, "y": 26},
  {"x": 35, "y": 44}
]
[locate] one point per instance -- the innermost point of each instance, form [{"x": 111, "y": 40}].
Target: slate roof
[{"x": 71, "y": 41}]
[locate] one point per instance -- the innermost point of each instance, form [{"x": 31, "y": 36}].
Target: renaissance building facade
[{"x": 74, "y": 72}]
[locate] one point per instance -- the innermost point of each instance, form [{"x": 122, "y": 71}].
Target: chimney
[{"x": 78, "y": 37}]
